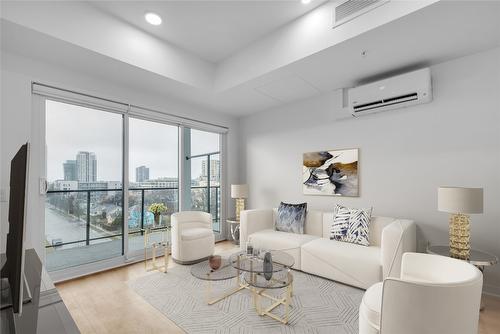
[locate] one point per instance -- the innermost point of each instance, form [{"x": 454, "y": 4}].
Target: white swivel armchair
[
  {"x": 435, "y": 294},
  {"x": 193, "y": 239}
]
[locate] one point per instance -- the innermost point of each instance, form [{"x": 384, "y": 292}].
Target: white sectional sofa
[{"x": 316, "y": 254}]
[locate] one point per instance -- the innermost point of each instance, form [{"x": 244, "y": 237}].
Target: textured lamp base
[
  {"x": 240, "y": 206},
  {"x": 460, "y": 236}
]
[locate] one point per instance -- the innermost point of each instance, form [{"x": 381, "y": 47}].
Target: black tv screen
[{"x": 14, "y": 266}]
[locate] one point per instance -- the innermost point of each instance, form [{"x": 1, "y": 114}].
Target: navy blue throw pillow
[{"x": 291, "y": 217}]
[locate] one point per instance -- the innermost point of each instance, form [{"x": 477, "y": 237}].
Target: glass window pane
[
  {"x": 83, "y": 212},
  {"x": 153, "y": 177},
  {"x": 204, "y": 142}
]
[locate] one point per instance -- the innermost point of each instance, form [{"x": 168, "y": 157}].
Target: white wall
[
  {"x": 18, "y": 124},
  {"x": 405, "y": 155}
]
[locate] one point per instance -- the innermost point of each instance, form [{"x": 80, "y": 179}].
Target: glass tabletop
[
  {"x": 277, "y": 280},
  {"x": 477, "y": 258},
  {"x": 203, "y": 271},
  {"x": 255, "y": 264}
]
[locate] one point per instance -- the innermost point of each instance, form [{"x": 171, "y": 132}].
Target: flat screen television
[{"x": 13, "y": 269}]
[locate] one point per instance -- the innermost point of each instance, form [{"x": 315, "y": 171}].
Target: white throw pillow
[{"x": 351, "y": 225}]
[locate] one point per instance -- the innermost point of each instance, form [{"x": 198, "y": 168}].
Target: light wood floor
[{"x": 103, "y": 303}]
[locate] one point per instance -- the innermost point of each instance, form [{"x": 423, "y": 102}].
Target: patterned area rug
[{"x": 318, "y": 305}]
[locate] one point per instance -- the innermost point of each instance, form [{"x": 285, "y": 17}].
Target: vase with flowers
[{"x": 157, "y": 209}]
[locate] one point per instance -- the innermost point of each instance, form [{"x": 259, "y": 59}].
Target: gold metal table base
[
  {"x": 285, "y": 301},
  {"x": 257, "y": 293}
]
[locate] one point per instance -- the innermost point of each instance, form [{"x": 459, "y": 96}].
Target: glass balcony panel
[
  {"x": 168, "y": 197},
  {"x": 134, "y": 211},
  {"x": 106, "y": 213},
  {"x": 65, "y": 219},
  {"x": 199, "y": 199}
]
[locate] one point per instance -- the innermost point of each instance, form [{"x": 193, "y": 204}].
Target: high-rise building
[
  {"x": 214, "y": 170},
  {"x": 86, "y": 166},
  {"x": 141, "y": 174},
  {"x": 70, "y": 171}
]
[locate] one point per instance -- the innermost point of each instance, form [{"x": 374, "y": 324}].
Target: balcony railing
[
  {"x": 100, "y": 211},
  {"x": 210, "y": 202}
]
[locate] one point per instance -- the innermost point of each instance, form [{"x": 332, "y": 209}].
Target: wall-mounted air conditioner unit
[
  {"x": 350, "y": 9},
  {"x": 397, "y": 92}
]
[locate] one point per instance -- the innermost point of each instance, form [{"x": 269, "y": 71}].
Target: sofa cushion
[
  {"x": 351, "y": 225},
  {"x": 377, "y": 224},
  {"x": 371, "y": 305},
  {"x": 291, "y": 217},
  {"x": 195, "y": 233},
  {"x": 277, "y": 240},
  {"x": 341, "y": 261},
  {"x": 314, "y": 222}
]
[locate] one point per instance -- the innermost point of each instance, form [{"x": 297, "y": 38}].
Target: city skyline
[{"x": 73, "y": 173}]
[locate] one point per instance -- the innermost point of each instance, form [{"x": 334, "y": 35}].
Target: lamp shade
[
  {"x": 460, "y": 200},
  {"x": 239, "y": 191}
]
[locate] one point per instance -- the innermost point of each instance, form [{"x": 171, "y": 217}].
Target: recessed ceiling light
[
  {"x": 153, "y": 18},
  {"x": 305, "y": 2}
]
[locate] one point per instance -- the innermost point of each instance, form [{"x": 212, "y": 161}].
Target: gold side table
[{"x": 156, "y": 246}]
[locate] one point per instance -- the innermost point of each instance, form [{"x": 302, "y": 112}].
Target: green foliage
[
  {"x": 157, "y": 208},
  {"x": 117, "y": 221}
]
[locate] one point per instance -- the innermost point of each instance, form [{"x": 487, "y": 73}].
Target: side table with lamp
[{"x": 461, "y": 202}]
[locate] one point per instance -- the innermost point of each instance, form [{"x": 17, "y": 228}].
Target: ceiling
[
  {"x": 212, "y": 30},
  {"x": 432, "y": 34}
]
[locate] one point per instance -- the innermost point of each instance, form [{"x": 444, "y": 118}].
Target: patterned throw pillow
[
  {"x": 291, "y": 217},
  {"x": 351, "y": 225}
]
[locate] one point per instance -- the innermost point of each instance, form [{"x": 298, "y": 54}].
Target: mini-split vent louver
[{"x": 350, "y": 9}]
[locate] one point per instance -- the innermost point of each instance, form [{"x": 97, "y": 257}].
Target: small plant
[{"x": 157, "y": 209}]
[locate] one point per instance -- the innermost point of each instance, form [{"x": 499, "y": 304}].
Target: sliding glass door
[
  {"x": 153, "y": 178},
  {"x": 84, "y": 202},
  {"x": 205, "y": 167},
  {"x": 107, "y": 169}
]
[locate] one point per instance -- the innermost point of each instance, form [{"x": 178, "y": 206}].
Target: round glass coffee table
[
  {"x": 259, "y": 277},
  {"x": 252, "y": 263},
  {"x": 251, "y": 274},
  {"x": 204, "y": 272}
]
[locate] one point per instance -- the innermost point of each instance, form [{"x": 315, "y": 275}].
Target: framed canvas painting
[{"x": 331, "y": 173}]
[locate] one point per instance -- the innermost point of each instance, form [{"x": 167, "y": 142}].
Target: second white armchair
[
  {"x": 434, "y": 294},
  {"x": 193, "y": 239}
]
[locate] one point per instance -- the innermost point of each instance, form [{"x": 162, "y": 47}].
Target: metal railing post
[
  {"x": 217, "y": 206},
  {"x": 87, "y": 237},
  {"x": 142, "y": 211},
  {"x": 208, "y": 183}
]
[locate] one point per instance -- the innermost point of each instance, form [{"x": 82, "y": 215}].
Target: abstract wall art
[{"x": 331, "y": 173}]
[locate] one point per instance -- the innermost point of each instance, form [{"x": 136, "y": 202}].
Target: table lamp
[
  {"x": 460, "y": 202},
  {"x": 239, "y": 192}
]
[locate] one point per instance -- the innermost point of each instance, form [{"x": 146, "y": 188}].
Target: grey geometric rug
[{"x": 318, "y": 305}]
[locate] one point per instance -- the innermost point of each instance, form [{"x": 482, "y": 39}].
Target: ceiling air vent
[{"x": 350, "y": 9}]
